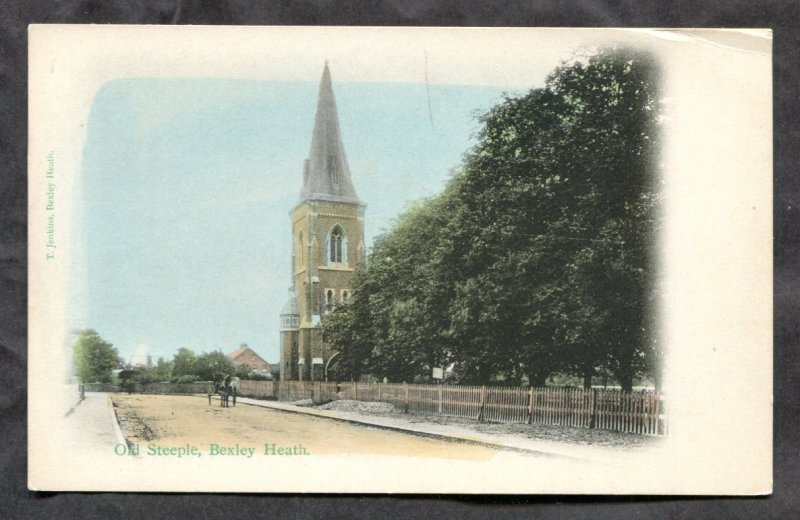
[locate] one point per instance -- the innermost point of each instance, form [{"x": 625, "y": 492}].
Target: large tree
[
  {"x": 184, "y": 363},
  {"x": 612, "y": 100},
  {"x": 93, "y": 358},
  {"x": 211, "y": 364},
  {"x": 347, "y": 327}
]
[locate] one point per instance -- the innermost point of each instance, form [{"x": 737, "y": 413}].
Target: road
[{"x": 175, "y": 421}]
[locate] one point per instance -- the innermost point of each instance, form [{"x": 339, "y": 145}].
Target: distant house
[{"x": 245, "y": 356}]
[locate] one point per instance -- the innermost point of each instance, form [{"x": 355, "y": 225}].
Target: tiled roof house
[{"x": 244, "y": 355}]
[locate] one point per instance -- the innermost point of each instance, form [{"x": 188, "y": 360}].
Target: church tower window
[{"x": 337, "y": 245}]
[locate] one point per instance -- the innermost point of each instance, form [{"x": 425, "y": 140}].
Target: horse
[
  {"x": 233, "y": 385},
  {"x": 229, "y": 386}
]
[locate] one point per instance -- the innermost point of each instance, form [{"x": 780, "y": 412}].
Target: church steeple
[
  {"x": 326, "y": 174},
  {"x": 328, "y": 244}
]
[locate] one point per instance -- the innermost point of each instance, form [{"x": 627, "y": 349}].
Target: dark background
[{"x": 781, "y": 16}]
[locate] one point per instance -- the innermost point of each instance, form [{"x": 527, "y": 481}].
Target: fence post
[
  {"x": 530, "y": 404},
  {"x": 405, "y": 385},
  {"x": 483, "y": 403},
  {"x": 592, "y": 407},
  {"x": 440, "y": 399},
  {"x": 657, "y": 413}
]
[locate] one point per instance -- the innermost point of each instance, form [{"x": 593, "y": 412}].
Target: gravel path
[{"x": 365, "y": 407}]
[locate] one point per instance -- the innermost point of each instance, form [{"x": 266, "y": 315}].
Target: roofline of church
[{"x": 328, "y": 198}]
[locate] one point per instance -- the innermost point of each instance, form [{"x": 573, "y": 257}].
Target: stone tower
[{"x": 328, "y": 243}]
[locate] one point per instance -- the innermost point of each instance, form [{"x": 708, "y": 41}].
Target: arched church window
[
  {"x": 336, "y": 246},
  {"x": 329, "y": 300},
  {"x": 345, "y": 296}
]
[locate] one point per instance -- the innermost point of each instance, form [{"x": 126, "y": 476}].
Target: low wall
[{"x": 151, "y": 388}]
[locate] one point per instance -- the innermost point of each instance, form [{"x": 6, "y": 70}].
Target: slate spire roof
[
  {"x": 326, "y": 174},
  {"x": 290, "y": 308}
]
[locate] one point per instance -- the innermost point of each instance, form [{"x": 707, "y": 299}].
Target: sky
[{"x": 187, "y": 185}]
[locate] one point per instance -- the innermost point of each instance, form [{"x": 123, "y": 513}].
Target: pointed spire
[
  {"x": 326, "y": 174},
  {"x": 290, "y": 307}
]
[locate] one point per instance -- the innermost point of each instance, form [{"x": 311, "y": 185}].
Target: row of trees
[
  {"x": 538, "y": 257},
  {"x": 95, "y": 360},
  {"x": 187, "y": 366}
]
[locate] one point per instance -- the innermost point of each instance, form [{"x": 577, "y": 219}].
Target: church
[{"x": 327, "y": 226}]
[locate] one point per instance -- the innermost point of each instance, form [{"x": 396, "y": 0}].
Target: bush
[{"x": 190, "y": 378}]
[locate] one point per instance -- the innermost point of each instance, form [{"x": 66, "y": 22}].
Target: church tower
[{"x": 328, "y": 244}]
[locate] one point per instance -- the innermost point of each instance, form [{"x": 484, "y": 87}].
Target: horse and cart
[{"x": 226, "y": 386}]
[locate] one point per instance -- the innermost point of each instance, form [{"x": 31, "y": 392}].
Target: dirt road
[{"x": 179, "y": 420}]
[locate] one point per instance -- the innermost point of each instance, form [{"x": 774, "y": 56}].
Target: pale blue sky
[{"x": 187, "y": 185}]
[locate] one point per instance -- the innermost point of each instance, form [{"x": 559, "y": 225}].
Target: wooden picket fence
[
  {"x": 258, "y": 389},
  {"x": 635, "y": 412},
  {"x": 318, "y": 391}
]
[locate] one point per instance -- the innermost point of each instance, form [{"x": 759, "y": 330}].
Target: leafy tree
[
  {"x": 128, "y": 378},
  {"x": 161, "y": 371},
  {"x": 187, "y": 378},
  {"x": 347, "y": 328},
  {"x": 184, "y": 363},
  {"x": 246, "y": 372},
  {"x": 407, "y": 296},
  {"x": 209, "y": 364},
  {"x": 94, "y": 359},
  {"x": 612, "y": 99},
  {"x": 128, "y": 375},
  {"x": 561, "y": 191},
  {"x": 243, "y": 372}
]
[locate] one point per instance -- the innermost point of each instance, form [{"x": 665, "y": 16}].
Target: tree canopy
[
  {"x": 188, "y": 367},
  {"x": 538, "y": 256},
  {"x": 209, "y": 364},
  {"x": 93, "y": 358},
  {"x": 184, "y": 363}
]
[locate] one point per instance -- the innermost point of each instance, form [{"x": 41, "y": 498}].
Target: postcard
[{"x": 400, "y": 260}]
